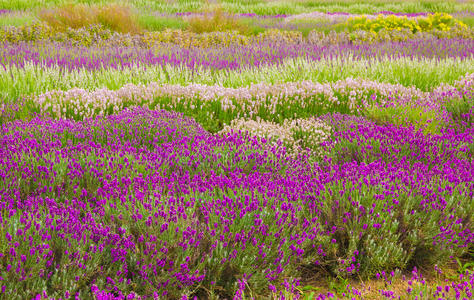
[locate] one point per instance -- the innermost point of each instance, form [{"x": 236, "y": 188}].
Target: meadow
[{"x": 236, "y": 149}]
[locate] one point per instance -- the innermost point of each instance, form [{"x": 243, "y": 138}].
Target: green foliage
[
  {"x": 468, "y": 20},
  {"x": 461, "y": 110},
  {"x": 16, "y": 19},
  {"x": 338, "y": 284},
  {"x": 463, "y": 267},
  {"x": 154, "y": 23},
  {"x": 428, "y": 120}
]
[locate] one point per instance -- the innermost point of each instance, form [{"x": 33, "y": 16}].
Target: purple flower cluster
[
  {"x": 242, "y": 15},
  {"x": 235, "y": 57},
  {"x": 388, "y": 13},
  {"x": 282, "y": 16},
  {"x": 146, "y": 203}
]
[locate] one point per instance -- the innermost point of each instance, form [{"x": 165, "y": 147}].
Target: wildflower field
[{"x": 251, "y": 149}]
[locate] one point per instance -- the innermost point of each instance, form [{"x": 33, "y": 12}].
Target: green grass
[
  {"x": 29, "y": 4},
  {"x": 469, "y": 21},
  {"x": 265, "y": 7},
  {"x": 16, "y": 19},
  {"x": 295, "y": 6},
  {"x": 157, "y": 23}
]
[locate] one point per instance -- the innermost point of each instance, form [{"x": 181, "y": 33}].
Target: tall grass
[
  {"x": 422, "y": 73},
  {"x": 215, "y": 20},
  {"x": 116, "y": 17},
  {"x": 264, "y": 7}
]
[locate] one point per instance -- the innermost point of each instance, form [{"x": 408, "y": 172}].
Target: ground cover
[{"x": 321, "y": 154}]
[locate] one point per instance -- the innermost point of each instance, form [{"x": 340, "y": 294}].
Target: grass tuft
[{"x": 116, "y": 17}]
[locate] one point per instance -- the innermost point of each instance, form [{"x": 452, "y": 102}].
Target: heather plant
[
  {"x": 461, "y": 111},
  {"x": 214, "y": 38},
  {"x": 461, "y": 107},
  {"x": 121, "y": 51},
  {"x": 33, "y": 32}
]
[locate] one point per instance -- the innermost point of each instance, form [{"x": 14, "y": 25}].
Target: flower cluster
[
  {"x": 228, "y": 58},
  {"x": 199, "y": 164},
  {"x": 97, "y": 35},
  {"x": 148, "y": 203},
  {"x": 296, "y": 135},
  {"x": 220, "y": 105},
  {"x": 438, "y": 21}
]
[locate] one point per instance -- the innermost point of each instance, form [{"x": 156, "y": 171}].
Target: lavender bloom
[
  {"x": 231, "y": 57},
  {"x": 154, "y": 205}
]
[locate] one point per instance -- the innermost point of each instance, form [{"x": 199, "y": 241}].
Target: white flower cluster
[
  {"x": 297, "y": 135},
  {"x": 245, "y": 102}
]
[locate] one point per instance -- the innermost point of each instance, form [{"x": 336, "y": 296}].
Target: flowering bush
[
  {"x": 437, "y": 21},
  {"x": 147, "y": 203},
  {"x": 296, "y": 135},
  {"x": 213, "y": 165},
  {"x": 98, "y": 34},
  {"x": 215, "y": 106}
]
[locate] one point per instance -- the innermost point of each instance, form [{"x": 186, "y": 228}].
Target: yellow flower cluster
[{"x": 437, "y": 21}]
